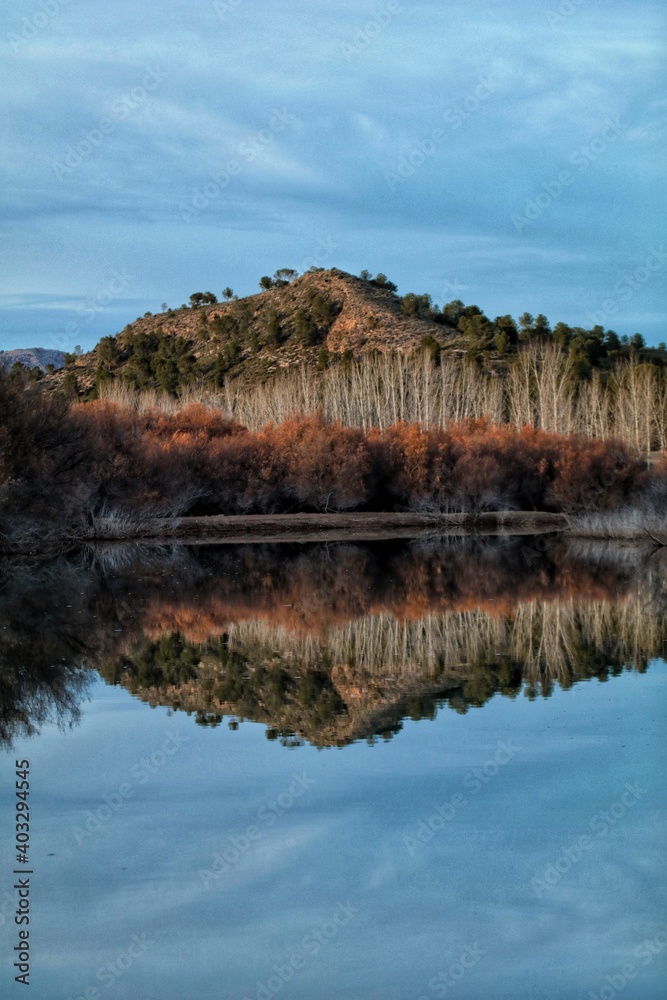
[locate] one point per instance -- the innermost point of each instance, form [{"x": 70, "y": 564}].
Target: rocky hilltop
[
  {"x": 319, "y": 320},
  {"x": 321, "y": 317}
]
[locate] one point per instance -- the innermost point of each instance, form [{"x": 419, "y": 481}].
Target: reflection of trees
[
  {"x": 328, "y": 643},
  {"x": 359, "y": 677},
  {"x": 46, "y": 695},
  {"x": 43, "y": 676},
  {"x": 210, "y": 677},
  {"x": 56, "y": 621},
  {"x": 311, "y": 589}
]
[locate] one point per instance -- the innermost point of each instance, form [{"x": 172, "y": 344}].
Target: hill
[
  {"x": 32, "y": 357},
  {"x": 318, "y": 318}
]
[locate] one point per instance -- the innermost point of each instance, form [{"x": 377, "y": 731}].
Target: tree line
[
  {"x": 63, "y": 465},
  {"x": 539, "y": 387},
  {"x": 225, "y": 341}
]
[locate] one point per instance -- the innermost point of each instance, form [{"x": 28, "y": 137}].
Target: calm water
[{"x": 391, "y": 772}]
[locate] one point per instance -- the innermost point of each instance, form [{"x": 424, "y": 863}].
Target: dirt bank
[{"x": 325, "y": 527}]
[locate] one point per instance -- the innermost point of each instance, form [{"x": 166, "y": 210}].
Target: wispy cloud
[{"x": 224, "y": 78}]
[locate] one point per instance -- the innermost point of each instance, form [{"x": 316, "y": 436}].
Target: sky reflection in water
[{"x": 232, "y": 853}]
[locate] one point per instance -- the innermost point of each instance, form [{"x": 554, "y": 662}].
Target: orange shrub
[
  {"x": 197, "y": 461},
  {"x": 326, "y": 466}
]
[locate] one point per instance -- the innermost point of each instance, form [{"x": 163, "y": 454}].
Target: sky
[{"x": 507, "y": 154}]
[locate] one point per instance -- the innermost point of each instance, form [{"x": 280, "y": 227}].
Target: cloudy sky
[{"x": 508, "y": 154}]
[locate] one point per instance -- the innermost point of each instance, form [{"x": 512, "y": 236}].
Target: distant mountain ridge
[{"x": 33, "y": 357}]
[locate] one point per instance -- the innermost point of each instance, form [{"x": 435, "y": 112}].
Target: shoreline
[{"x": 237, "y": 528}]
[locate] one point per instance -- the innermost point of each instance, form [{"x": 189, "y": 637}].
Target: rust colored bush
[
  {"x": 196, "y": 461},
  {"x": 196, "y": 420},
  {"x": 595, "y": 475},
  {"x": 326, "y": 466},
  {"x": 103, "y": 457},
  {"x": 475, "y": 466}
]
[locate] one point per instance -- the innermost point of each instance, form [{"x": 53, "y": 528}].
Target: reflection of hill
[
  {"x": 328, "y": 643},
  {"x": 363, "y": 678},
  {"x": 338, "y": 643}
]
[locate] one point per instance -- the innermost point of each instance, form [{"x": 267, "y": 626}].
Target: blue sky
[{"x": 507, "y": 154}]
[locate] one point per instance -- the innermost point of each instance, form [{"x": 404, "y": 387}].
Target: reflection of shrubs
[{"x": 411, "y": 626}]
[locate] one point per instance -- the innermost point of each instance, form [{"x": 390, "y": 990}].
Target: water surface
[{"x": 341, "y": 771}]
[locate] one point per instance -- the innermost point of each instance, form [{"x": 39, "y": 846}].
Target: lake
[{"x": 339, "y": 772}]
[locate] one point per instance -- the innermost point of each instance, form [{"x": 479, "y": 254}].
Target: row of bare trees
[
  {"x": 539, "y": 387},
  {"x": 554, "y": 641},
  {"x": 379, "y": 666}
]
